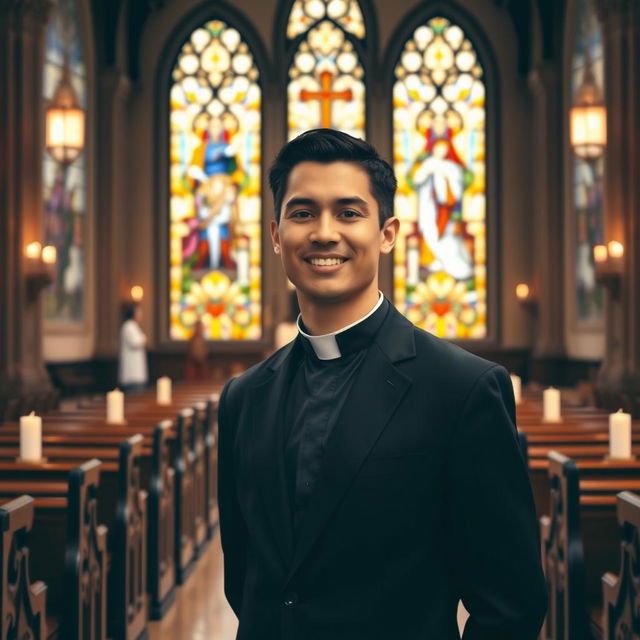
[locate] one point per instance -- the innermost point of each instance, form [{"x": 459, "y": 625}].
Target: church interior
[{"x": 136, "y": 139}]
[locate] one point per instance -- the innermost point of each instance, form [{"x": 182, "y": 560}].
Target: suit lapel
[
  {"x": 378, "y": 389},
  {"x": 267, "y": 444}
]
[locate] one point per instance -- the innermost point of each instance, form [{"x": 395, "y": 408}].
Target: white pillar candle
[
  {"x": 163, "y": 390},
  {"x": 516, "y": 382},
  {"x": 31, "y": 437},
  {"x": 620, "y": 435},
  {"x": 551, "y": 405},
  {"x": 115, "y": 407}
]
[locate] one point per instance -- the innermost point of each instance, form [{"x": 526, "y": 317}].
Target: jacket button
[{"x": 290, "y": 599}]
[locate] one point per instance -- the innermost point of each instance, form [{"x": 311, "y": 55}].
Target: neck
[{"x": 322, "y": 317}]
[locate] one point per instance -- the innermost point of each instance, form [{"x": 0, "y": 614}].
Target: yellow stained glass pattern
[
  {"x": 305, "y": 13},
  {"x": 326, "y": 77},
  {"x": 439, "y": 161},
  {"x": 215, "y": 187}
]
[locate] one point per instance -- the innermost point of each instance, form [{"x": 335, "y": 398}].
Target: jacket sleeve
[
  {"x": 492, "y": 518},
  {"x": 233, "y": 531}
]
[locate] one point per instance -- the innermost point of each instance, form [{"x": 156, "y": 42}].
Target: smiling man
[{"x": 369, "y": 473}]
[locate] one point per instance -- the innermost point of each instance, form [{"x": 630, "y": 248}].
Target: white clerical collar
[{"x": 326, "y": 346}]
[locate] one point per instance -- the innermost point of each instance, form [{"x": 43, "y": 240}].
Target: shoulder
[
  {"x": 236, "y": 388},
  {"x": 128, "y": 326},
  {"x": 449, "y": 366}
]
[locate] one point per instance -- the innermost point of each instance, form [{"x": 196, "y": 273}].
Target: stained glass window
[
  {"x": 439, "y": 161},
  {"x": 65, "y": 186},
  {"x": 587, "y": 176},
  {"x": 326, "y": 77},
  {"x": 215, "y": 187}
]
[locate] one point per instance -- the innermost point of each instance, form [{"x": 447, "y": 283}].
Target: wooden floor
[{"x": 201, "y": 611}]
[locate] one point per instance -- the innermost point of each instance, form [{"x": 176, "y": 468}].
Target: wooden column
[
  {"x": 22, "y": 33},
  {"x": 546, "y": 139},
  {"x": 111, "y": 207},
  {"x": 618, "y": 382}
]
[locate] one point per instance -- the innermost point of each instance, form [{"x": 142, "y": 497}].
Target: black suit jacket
[{"x": 423, "y": 499}]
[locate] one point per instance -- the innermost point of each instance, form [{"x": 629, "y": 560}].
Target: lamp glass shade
[
  {"x": 65, "y": 133},
  {"x": 588, "y": 131}
]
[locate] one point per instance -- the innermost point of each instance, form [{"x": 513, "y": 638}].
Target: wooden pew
[
  {"x": 122, "y": 504},
  {"x": 69, "y": 549},
  {"x": 65, "y": 440},
  {"x": 85, "y": 559},
  {"x": 620, "y": 593},
  {"x": 128, "y": 596},
  {"x": 185, "y": 520},
  {"x": 562, "y": 554},
  {"x": 23, "y": 603},
  {"x": 162, "y": 516},
  {"x": 211, "y": 460}
]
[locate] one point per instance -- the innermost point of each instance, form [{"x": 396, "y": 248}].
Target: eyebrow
[{"x": 310, "y": 202}]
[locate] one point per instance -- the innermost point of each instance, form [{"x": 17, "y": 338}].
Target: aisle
[{"x": 200, "y": 611}]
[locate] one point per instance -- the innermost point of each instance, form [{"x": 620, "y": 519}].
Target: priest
[{"x": 369, "y": 473}]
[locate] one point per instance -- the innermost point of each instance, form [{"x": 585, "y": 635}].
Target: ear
[
  {"x": 275, "y": 237},
  {"x": 389, "y": 234}
]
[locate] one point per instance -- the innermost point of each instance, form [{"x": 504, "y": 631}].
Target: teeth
[{"x": 326, "y": 262}]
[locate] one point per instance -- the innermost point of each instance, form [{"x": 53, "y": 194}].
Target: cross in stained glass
[{"x": 326, "y": 97}]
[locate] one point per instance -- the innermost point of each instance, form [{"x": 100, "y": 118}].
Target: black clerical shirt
[{"x": 317, "y": 393}]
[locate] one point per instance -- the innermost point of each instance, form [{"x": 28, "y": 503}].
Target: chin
[{"x": 322, "y": 294}]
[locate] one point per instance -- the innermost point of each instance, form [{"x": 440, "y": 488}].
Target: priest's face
[{"x": 329, "y": 236}]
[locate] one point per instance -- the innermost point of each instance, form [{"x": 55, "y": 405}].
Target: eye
[
  {"x": 350, "y": 213},
  {"x": 300, "y": 214}
]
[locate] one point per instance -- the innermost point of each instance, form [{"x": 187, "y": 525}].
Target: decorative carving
[
  {"x": 621, "y": 593},
  {"x": 185, "y": 511},
  {"x": 162, "y": 563},
  {"x": 85, "y": 566},
  {"x": 23, "y": 612},
  {"x": 129, "y": 565},
  {"x": 200, "y": 478},
  {"x": 562, "y": 555},
  {"x": 211, "y": 460}
]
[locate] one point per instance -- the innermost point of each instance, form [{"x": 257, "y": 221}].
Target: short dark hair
[
  {"x": 129, "y": 310},
  {"x": 329, "y": 145}
]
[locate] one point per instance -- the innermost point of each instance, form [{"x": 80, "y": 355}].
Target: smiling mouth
[{"x": 325, "y": 262}]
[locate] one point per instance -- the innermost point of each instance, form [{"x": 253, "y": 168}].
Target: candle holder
[
  {"x": 40, "y": 268},
  {"x": 608, "y": 260},
  {"x": 631, "y": 458},
  {"x": 527, "y": 298},
  {"x": 35, "y": 463},
  {"x": 118, "y": 423}
]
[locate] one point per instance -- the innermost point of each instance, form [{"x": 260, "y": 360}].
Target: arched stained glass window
[
  {"x": 65, "y": 186},
  {"x": 439, "y": 161},
  {"x": 326, "y": 76},
  {"x": 215, "y": 187},
  {"x": 588, "y": 177}
]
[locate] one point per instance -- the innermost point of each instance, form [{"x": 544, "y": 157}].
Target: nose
[{"x": 325, "y": 231}]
